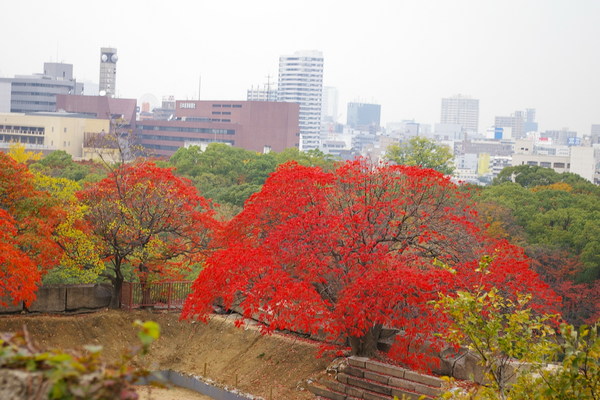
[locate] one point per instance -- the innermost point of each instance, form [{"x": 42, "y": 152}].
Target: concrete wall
[{"x": 61, "y": 298}]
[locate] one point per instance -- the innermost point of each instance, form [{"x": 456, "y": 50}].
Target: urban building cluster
[{"x": 49, "y": 111}]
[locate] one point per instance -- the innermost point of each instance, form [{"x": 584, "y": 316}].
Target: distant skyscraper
[
  {"x": 595, "y": 133},
  {"x": 108, "y": 71},
  {"x": 329, "y": 106},
  {"x": 301, "y": 81},
  {"x": 364, "y": 116},
  {"x": 520, "y": 122},
  {"x": 461, "y": 110},
  {"x": 37, "y": 93},
  {"x": 530, "y": 125}
]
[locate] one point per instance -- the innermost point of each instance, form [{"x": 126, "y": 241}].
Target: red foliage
[
  {"x": 342, "y": 252},
  {"x": 147, "y": 217},
  {"x": 28, "y": 218},
  {"x": 558, "y": 268}
]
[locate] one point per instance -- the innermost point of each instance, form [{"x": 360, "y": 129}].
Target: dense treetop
[
  {"x": 348, "y": 251},
  {"x": 423, "y": 152}
]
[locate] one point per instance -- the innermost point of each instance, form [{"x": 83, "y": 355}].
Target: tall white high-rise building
[
  {"x": 329, "y": 104},
  {"x": 461, "y": 110},
  {"x": 301, "y": 81}
]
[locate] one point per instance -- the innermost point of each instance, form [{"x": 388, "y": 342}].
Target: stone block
[
  {"x": 374, "y": 396},
  {"x": 448, "y": 358},
  {"x": 467, "y": 367},
  {"x": 354, "y": 392},
  {"x": 371, "y": 386},
  {"x": 49, "y": 299},
  {"x": 386, "y": 369},
  {"x": 88, "y": 297},
  {"x": 374, "y": 376},
  {"x": 333, "y": 385},
  {"x": 341, "y": 377},
  {"x": 403, "y": 384},
  {"x": 387, "y": 333},
  {"x": 357, "y": 361},
  {"x": 421, "y": 378},
  {"x": 420, "y": 388},
  {"x": 385, "y": 345},
  {"x": 354, "y": 371},
  {"x": 415, "y": 387}
]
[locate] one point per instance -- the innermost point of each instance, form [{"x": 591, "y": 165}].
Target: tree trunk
[
  {"x": 366, "y": 345},
  {"x": 115, "y": 301},
  {"x": 117, "y": 281}
]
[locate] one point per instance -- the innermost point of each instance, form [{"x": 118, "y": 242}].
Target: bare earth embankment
[{"x": 271, "y": 367}]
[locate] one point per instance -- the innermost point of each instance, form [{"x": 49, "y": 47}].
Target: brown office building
[
  {"x": 99, "y": 107},
  {"x": 252, "y": 125}
]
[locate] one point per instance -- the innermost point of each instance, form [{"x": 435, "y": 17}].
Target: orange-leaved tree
[
  {"x": 28, "y": 219},
  {"x": 145, "y": 217},
  {"x": 348, "y": 252}
]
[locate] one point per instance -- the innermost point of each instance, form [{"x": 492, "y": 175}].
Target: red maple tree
[
  {"x": 28, "y": 218},
  {"x": 580, "y": 300},
  {"x": 348, "y": 252},
  {"x": 145, "y": 217}
]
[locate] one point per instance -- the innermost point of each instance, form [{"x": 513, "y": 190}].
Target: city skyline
[{"x": 406, "y": 56}]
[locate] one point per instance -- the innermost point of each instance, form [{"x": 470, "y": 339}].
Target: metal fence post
[
  {"x": 130, "y": 296},
  {"x": 169, "y": 295}
]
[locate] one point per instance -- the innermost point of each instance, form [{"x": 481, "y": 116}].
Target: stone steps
[{"x": 362, "y": 378}]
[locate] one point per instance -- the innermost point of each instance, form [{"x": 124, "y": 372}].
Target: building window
[
  {"x": 559, "y": 165},
  {"x": 217, "y": 113}
]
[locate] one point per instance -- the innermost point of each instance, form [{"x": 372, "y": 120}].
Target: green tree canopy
[
  {"x": 422, "y": 152},
  {"x": 60, "y": 164},
  {"x": 530, "y": 176},
  {"x": 555, "y": 216},
  {"x": 231, "y": 175}
]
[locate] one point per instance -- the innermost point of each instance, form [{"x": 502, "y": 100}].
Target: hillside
[{"x": 266, "y": 366}]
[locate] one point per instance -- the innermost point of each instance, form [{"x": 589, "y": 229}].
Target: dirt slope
[{"x": 268, "y": 366}]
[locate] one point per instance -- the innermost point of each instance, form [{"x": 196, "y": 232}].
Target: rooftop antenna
[
  {"x": 199, "y": 85},
  {"x": 268, "y": 87}
]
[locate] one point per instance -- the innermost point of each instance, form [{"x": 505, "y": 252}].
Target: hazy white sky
[{"x": 403, "y": 54}]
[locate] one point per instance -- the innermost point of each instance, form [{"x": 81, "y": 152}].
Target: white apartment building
[
  {"x": 301, "y": 81},
  {"x": 582, "y": 160},
  {"x": 329, "y": 110},
  {"x": 461, "y": 110}
]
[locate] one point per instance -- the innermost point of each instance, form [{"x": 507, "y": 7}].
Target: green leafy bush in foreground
[{"x": 78, "y": 376}]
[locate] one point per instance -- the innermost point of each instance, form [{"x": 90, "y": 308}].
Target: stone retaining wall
[
  {"x": 62, "y": 298},
  {"x": 362, "y": 378}
]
